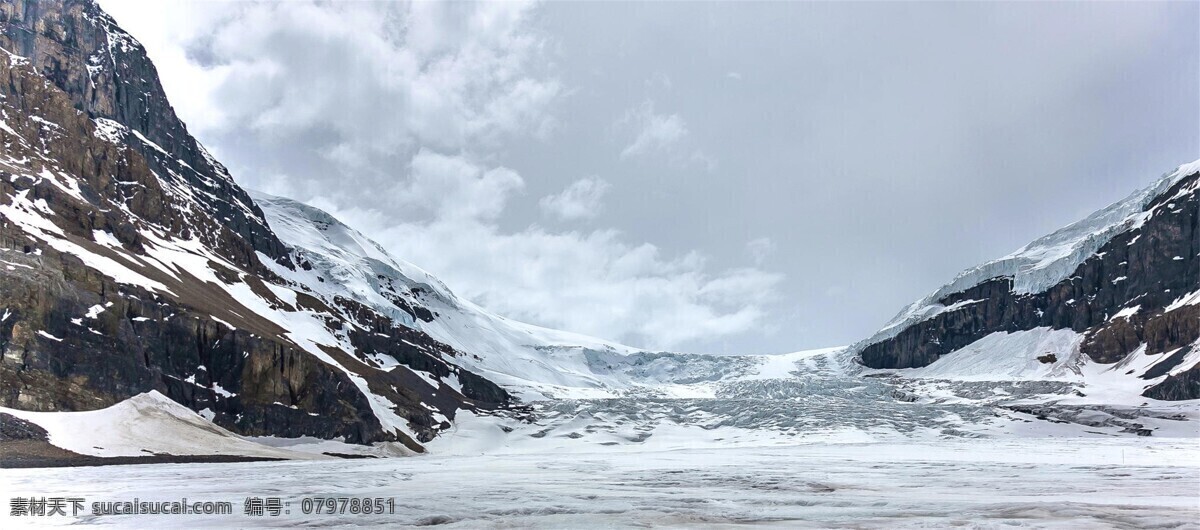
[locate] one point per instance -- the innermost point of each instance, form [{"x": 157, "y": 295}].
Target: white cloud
[
  {"x": 760, "y": 249},
  {"x": 591, "y": 282},
  {"x": 451, "y": 188},
  {"x": 409, "y": 105},
  {"x": 660, "y": 134},
  {"x": 581, "y": 200},
  {"x": 375, "y": 76}
]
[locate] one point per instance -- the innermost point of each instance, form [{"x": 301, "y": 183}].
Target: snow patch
[
  {"x": 1126, "y": 312},
  {"x": 143, "y": 425},
  {"x": 48, "y": 336},
  {"x": 1191, "y": 298},
  {"x": 106, "y": 239},
  {"x": 95, "y": 311}
]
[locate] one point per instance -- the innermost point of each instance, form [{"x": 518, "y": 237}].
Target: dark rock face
[
  {"x": 255, "y": 382},
  {"x": 482, "y": 390},
  {"x": 1149, "y": 267},
  {"x": 14, "y": 428},
  {"x": 77, "y": 179},
  {"x": 1181, "y": 386},
  {"x": 106, "y": 74}
]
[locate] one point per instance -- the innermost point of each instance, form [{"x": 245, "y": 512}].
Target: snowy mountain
[
  {"x": 531, "y": 361},
  {"x": 1122, "y": 286},
  {"x": 145, "y": 295},
  {"x": 134, "y": 263}
]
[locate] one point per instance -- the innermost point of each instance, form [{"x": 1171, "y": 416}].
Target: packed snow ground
[
  {"x": 1020, "y": 482},
  {"x": 803, "y": 440}
]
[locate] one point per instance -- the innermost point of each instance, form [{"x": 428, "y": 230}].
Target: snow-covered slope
[
  {"x": 1044, "y": 354},
  {"x": 146, "y": 424},
  {"x": 1011, "y": 357},
  {"x": 531, "y": 361}
]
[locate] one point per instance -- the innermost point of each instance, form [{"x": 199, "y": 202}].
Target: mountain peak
[{"x": 107, "y": 74}]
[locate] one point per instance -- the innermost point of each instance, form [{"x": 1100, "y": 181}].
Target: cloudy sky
[{"x": 709, "y": 177}]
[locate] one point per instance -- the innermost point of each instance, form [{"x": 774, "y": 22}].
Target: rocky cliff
[
  {"x": 1127, "y": 279},
  {"x": 106, "y": 73},
  {"x": 131, "y": 261}
]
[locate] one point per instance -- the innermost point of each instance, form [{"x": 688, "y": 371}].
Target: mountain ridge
[
  {"x": 134, "y": 265},
  {"x": 1125, "y": 277}
]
